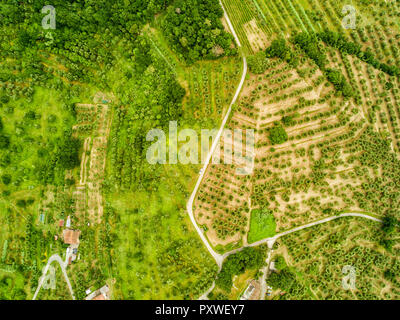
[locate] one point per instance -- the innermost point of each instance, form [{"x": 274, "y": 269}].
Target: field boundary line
[{"x": 217, "y": 257}]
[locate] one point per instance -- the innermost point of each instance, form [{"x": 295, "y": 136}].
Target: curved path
[
  {"x": 218, "y": 258},
  {"x": 204, "y": 296},
  {"x": 270, "y": 241},
  {"x": 57, "y": 258}
]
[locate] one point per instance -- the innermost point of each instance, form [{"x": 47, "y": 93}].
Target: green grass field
[
  {"x": 262, "y": 225},
  {"x": 156, "y": 252}
]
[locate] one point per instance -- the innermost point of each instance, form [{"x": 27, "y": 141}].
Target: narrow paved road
[
  {"x": 218, "y": 258},
  {"x": 270, "y": 241},
  {"x": 264, "y": 276},
  {"x": 57, "y": 258},
  {"x": 204, "y": 296}
]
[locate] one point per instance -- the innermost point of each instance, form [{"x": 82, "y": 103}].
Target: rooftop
[{"x": 71, "y": 236}]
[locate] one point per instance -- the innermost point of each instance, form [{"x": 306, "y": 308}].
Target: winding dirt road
[
  {"x": 218, "y": 258},
  {"x": 270, "y": 241},
  {"x": 57, "y": 258}
]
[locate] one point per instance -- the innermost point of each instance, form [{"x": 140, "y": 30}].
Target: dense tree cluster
[
  {"x": 279, "y": 49},
  {"x": 340, "y": 42},
  {"x": 311, "y": 46},
  {"x": 4, "y": 140},
  {"x": 339, "y": 81},
  {"x": 98, "y": 46},
  {"x": 64, "y": 156},
  {"x": 248, "y": 259},
  {"x": 390, "y": 223},
  {"x": 258, "y": 63},
  {"x": 195, "y": 30},
  {"x": 278, "y": 135},
  {"x": 285, "y": 279}
]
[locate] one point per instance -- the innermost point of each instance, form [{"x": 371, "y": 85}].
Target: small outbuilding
[
  {"x": 100, "y": 294},
  {"x": 71, "y": 236},
  {"x": 252, "y": 292}
]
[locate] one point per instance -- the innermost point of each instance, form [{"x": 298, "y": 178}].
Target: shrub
[
  {"x": 6, "y": 178},
  {"x": 258, "y": 63},
  {"x": 278, "y": 135}
]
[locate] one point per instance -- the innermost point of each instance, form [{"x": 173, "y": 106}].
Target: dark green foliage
[
  {"x": 258, "y": 63},
  {"x": 279, "y": 49},
  {"x": 67, "y": 153},
  {"x": 388, "y": 85},
  {"x": 280, "y": 263},
  {"x": 339, "y": 41},
  {"x": 25, "y": 39},
  {"x": 340, "y": 83},
  {"x": 4, "y": 141},
  {"x": 248, "y": 259},
  {"x": 10, "y": 289},
  {"x": 90, "y": 39},
  {"x": 389, "y": 224},
  {"x": 277, "y": 135},
  {"x": 195, "y": 30},
  {"x": 65, "y": 156},
  {"x": 6, "y": 179},
  {"x": 284, "y": 279},
  {"x": 309, "y": 44},
  {"x": 289, "y": 120}
]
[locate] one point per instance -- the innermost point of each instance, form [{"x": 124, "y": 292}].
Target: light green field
[{"x": 262, "y": 225}]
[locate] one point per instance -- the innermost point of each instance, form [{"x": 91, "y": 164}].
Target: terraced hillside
[
  {"x": 311, "y": 263},
  {"x": 258, "y": 22},
  {"x": 330, "y": 161},
  {"x": 324, "y": 104}
]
